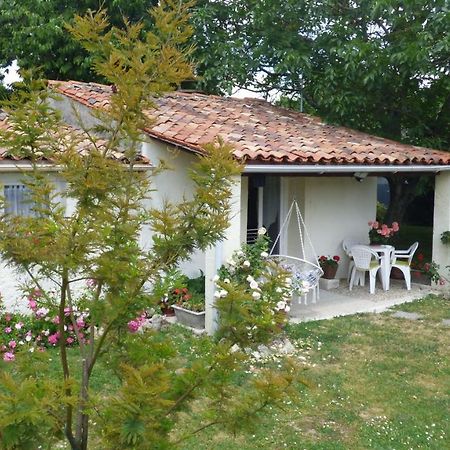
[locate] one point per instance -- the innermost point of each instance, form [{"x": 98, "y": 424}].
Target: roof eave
[
  {"x": 8, "y": 167},
  {"x": 318, "y": 169}
]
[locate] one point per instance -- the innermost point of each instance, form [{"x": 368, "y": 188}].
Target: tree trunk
[{"x": 403, "y": 191}]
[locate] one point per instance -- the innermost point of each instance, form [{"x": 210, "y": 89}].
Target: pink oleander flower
[
  {"x": 53, "y": 339},
  {"x": 395, "y": 227},
  {"x": 12, "y": 344},
  {"x": 70, "y": 340},
  {"x": 9, "y": 356},
  {"x": 8, "y": 330},
  {"x": 67, "y": 311},
  {"x": 32, "y": 304},
  {"x": 7, "y": 317},
  {"x": 133, "y": 326},
  {"x": 56, "y": 320},
  {"x": 41, "y": 313},
  {"x": 3, "y": 348},
  {"x": 80, "y": 323},
  {"x": 18, "y": 325}
]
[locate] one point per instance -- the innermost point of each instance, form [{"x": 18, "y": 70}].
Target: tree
[
  {"x": 33, "y": 33},
  {"x": 99, "y": 244},
  {"x": 377, "y": 66}
]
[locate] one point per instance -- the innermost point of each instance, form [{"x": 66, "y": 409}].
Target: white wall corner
[
  {"x": 441, "y": 222},
  {"x": 223, "y": 250}
]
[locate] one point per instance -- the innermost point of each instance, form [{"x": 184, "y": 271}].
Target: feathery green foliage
[{"x": 96, "y": 241}]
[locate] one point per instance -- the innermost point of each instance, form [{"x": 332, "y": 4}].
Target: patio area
[{"x": 342, "y": 302}]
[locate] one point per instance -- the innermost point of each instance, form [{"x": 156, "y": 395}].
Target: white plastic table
[{"x": 385, "y": 252}]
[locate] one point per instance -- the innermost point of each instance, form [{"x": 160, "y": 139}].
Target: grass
[{"x": 377, "y": 382}]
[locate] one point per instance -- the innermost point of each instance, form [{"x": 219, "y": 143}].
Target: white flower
[
  {"x": 216, "y": 278},
  {"x": 31, "y": 350},
  {"x": 253, "y": 284},
  {"x": 256, "y": 295},
  {"x": 262, "y": 231},
  {"x": 288, "y": 281},
  {"x": 28, "y": 338},
  {"x": 288, "y": 308},
  {"x": 249, "y": 278},
  {"x": 246, "y": 263},
  {"x": 227, "y": 280},
  {"x": 18, "y": 326},
  {"x": 217, "y": 294},
  {"x": 281, "y": 305},
  {"x": 235, "y": 348},
  {"x": 21, "y": 343},
  {"x": 230, "y": 262},
  {"x": 46, "y": 332},
  {"x": 223, "y": 293},
  {"x": 239, "y": 253},
  {"x": 264, "y": 254},
  {"x": 256, "y": 355},
  {"x": 278, "y": 290}
]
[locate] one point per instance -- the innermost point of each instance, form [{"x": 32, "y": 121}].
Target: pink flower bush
[
  {"x": 9, "y": 356},
  {"x": 381, "y": 233},
  {"x": 133, "y": 326}
]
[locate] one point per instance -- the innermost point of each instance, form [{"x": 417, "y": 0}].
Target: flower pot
[
  {"x": 420, "y": 278},
  {"x": 167, "y": 310},
  {"x": 190, "y": 318},
  {"x": 329, "y": 272}
]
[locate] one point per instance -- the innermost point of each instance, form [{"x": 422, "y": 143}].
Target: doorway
[{"x": 263, "y": 209}]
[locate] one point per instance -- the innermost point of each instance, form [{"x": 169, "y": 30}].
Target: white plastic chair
[
  {"x": 365, "y": 260},
  {"x": 347, "y": 244},
  {"x": 401, "y": 259}
]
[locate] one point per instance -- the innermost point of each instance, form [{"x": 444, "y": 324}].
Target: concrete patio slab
[{"x": 342, "y": 302}]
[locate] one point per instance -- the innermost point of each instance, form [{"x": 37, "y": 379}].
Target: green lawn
[{"x": 377, "y": 382}]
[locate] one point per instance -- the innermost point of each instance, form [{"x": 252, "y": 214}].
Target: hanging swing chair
[{"x": 304, "y": 269}]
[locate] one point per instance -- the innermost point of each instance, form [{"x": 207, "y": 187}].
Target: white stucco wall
[
  {"x": 441, "y": 220},
  {"x": 333, "y": 209},
  {"x": 11, "y": 280},
  {"x": 172, "y": 185}
]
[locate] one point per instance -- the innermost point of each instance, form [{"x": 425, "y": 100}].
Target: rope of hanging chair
[{"x": 301, "y": 268}]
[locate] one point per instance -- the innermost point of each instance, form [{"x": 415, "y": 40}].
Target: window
[{"x": 17, "y": 200}]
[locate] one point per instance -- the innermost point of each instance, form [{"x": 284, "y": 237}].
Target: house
[
  {"x": 16, "y": 194},
  {"x": 331, "y": 171}
]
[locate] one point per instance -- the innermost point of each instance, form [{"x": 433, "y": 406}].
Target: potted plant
[
  {"x": 329, "y": 266},
  {"x": 380, "y": 233},
  {"x": 190, "y": 309}
]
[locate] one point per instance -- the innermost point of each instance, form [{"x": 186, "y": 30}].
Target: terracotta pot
[
  {"x": 329, "y": 272},
  {"x": 167, "y": 310}
]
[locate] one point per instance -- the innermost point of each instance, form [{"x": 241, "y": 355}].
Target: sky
[{"x": 11, "y": 74}]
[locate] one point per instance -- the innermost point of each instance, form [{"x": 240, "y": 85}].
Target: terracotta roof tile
[
  {"x": 69, "y": 136},
  {"x": 260, "y": 131}
]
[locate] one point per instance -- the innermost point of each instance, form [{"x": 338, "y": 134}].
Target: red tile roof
[
  {"x": 259, "y": 131},
  {"x": 69, "y": 136}
]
